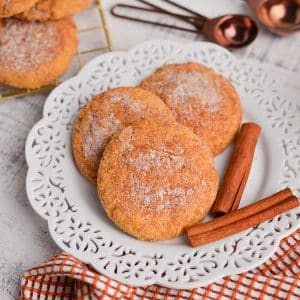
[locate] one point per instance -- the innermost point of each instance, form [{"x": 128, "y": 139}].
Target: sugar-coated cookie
[
  {"x": 45, "y": 10},
  {"x": 104, "y": 115},
  {"x": 201, "y": 99},
  {"x": 35, "y": 54},
  {"x": 9, "y": 8},
  {"x": 156, "y": 179}
]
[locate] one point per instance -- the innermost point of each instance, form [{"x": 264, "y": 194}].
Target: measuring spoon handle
[
  {"x": 193, "y": 20},
  {"x": 196, "y": 19}
]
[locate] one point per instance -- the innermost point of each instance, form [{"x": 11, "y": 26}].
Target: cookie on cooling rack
[
  {"x": 9, "y": 8},
  {"x": 35, "y": 54},
  {"x": 45, "y": 10},
  {"x": 201, "y": 99},
  {"x": 104, "y": 115},
  {"x": 156, "y": 179}
]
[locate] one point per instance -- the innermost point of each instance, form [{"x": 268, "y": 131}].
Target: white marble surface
[{"x": 24, "y": 238}]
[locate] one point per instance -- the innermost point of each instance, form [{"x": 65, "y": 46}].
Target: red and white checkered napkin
[{"x": 64, "y": 277}]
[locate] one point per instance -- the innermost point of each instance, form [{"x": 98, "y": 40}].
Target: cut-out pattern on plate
[{"x": 69, "y": 204}]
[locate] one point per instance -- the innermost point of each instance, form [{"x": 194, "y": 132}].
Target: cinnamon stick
[
  {"x": 240, "y": 214},
  {"x": 240, "y": 225},
  {"x": 237, "y": 173}
]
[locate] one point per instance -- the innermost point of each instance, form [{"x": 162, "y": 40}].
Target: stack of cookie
[
  {"x": 150, "y": 149},
  {"x": 38, "y": 40}
]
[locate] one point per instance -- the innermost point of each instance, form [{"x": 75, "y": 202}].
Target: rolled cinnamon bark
[
  {"x": 237, "y": 173},
  {"x": 240, "y": 214},
  {"x": 245, "y": 223}
]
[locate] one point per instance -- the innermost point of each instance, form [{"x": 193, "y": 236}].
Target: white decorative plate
[{"x": 77, "y": 222}]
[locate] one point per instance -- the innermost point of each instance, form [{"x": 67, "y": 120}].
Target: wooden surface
[{"x": 24, "y": 238}]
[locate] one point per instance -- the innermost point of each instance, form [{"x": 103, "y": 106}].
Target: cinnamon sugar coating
[
  {"x": 35, "y": 54},
  {"x": 155, "y": 179},
  {"x": 107, "y": 113},
  {"x": 45, "y": 10},
  {"x": 10, "y": 8},
  {"x": 201, "y": 99}
]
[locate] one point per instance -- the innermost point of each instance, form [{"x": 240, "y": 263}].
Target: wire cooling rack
[{"x": 94, "y": 39}]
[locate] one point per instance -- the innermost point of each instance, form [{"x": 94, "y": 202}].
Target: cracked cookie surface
[
  {"x": 45, "y": 10},
  {"x": 10, "y": 8},
  {"x": 155, "y": 179},
  {"x": 107, "y": 113},
  {"x": 201, "y": 99},
  {"x": 35, "y": 54}
]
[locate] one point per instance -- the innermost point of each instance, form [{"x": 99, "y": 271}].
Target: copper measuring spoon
[
  {"x": 280, "y": 16},
  {"x": 232, "y": 31}
]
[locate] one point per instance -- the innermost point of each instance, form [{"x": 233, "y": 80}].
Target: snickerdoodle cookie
[
  {"x": 35, "y": 54},
  {"x": 9, "y": 8},
  {"x": 45, "y": 10},
  {"x": 201, "y": 99},
  {"x": 104, "y": 115},
  {"x": 156, "y": 179}
]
